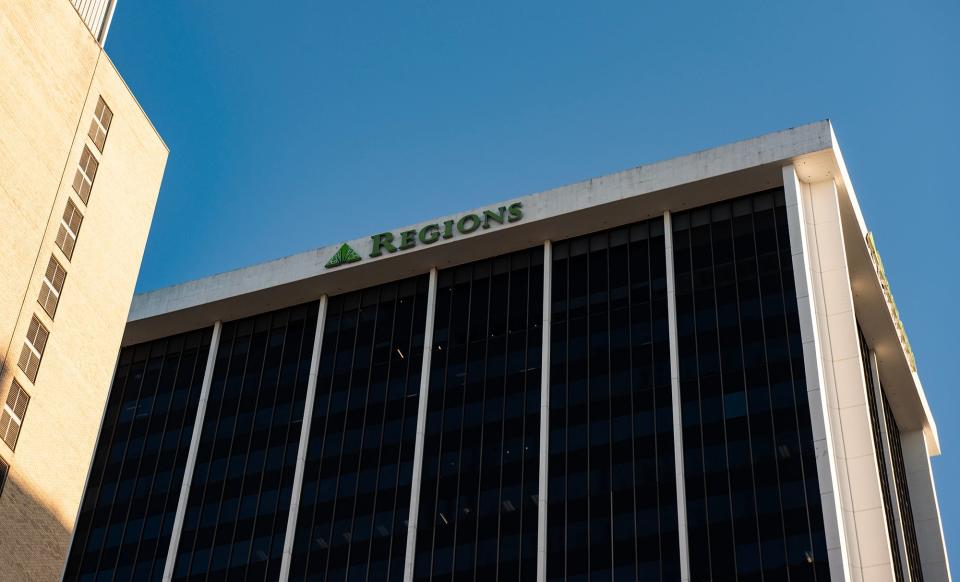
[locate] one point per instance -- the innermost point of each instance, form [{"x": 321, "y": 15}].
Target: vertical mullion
[
  {"x": 192, "y": 454},
  {"x": 421, "y": 429},
  {"x": 304, "y": 441},
  {"x": 675, "y": 390},
  {"x": 544, "y": 412}
]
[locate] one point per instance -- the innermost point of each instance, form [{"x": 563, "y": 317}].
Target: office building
[
  {"x": 80, "y": 168},
  {"x": 691, "y": 370}
]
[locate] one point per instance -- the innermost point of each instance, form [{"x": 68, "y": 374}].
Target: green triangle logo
[{"x": 344, "y": 255}]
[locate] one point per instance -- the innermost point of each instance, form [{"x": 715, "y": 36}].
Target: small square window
[
  {"x": 33, "y": 347},
  {"x": 51, "y": 286},
  {"x": 86, "y": 173},
  {"x": 14, "y": 410},
  {"x": 69, "y": 229},
  {"x": 100, "y": 125}
]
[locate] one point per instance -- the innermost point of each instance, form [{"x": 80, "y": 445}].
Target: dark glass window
[
  {"x": 903, "y": 494},
  {"x": 352, "y": 523},
  {"x": 236, "y": 516},
  {"x": 877, "y": 435},
  {"x": 123, "y": 529},
  {"x": 753, "y": 498},
  {"x": 612, "y": 512},
  {"x": 478, "y": 499}
]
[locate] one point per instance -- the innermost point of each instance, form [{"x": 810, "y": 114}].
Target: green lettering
[
  {"x": 408, "y": 239},
  {"x": 497, "y": 216},
  {"x": 516, "y": 211},
  {"x": 447, "y": 229},
  {"x": 381, "y": 242},
  {"x": 429, "y": 234},
  {"x": 462, "y": 226}
]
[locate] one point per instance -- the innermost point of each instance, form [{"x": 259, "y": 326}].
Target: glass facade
[
  {"x": 753, "y": 498},
  {"x": 352, "y": 523},
  {"x": 123, "y": 529},
  {"x": 478, "y": 499},
  {"x": 612, "y": 511},
  {"x": 236, "y": 516},
  {"x": 742, "y": 434}
]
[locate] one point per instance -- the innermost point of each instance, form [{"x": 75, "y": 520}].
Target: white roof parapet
[{"x": 544, "y": 206}]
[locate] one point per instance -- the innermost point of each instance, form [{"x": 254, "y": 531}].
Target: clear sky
[{"x": 298, "y": 124}]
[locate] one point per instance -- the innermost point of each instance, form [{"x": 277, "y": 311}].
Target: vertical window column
[
  {"x": 130, "y": 502},
  {"x": 192, "y": 453},
  {"x": 304, "y": 441},
  {"x": 612, "y": 490},
  {"x": 354, "y": 505},
  {"x": 753, "y": 498},
  {"x": 477, "y": 513}
]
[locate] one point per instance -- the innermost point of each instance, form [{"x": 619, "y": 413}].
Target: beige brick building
[{"x": 80, "y": 169}]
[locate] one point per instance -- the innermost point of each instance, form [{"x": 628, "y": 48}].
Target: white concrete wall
[
  {"x": 848, "y": 415},
  {"x": 804, "y": 253}
]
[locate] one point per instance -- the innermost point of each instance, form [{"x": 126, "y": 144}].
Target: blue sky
[{"x": 301, "y": 124}]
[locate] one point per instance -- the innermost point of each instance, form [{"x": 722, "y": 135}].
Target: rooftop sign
[{"x": 388, "y": 242}]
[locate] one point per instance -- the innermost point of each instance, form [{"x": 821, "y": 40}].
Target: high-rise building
[
  {"x": 691, "y": 370},
  {"x": 80, "y": 168}
]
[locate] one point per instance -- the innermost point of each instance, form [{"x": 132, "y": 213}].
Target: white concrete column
[
  {"x": 411, "y": 551},
  {"x": 803, "y": 250},
  {"x": 888, "y": 466},
  {"x": 192, "y": 454},
  {"x": 675, "y": 392},
  {"x": 847, "y": 417},
  {"x": 926, "y": 509},
  {"x": 544, "y": 413},
  {"x": 304, "y": 441}
]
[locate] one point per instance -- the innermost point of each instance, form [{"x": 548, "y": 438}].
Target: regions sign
[{"x": 388, "y": 242}]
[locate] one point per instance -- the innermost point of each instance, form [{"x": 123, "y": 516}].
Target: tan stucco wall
[
  {"x": 47, "y": 62},
  {"x": 55, "y": 72}
]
